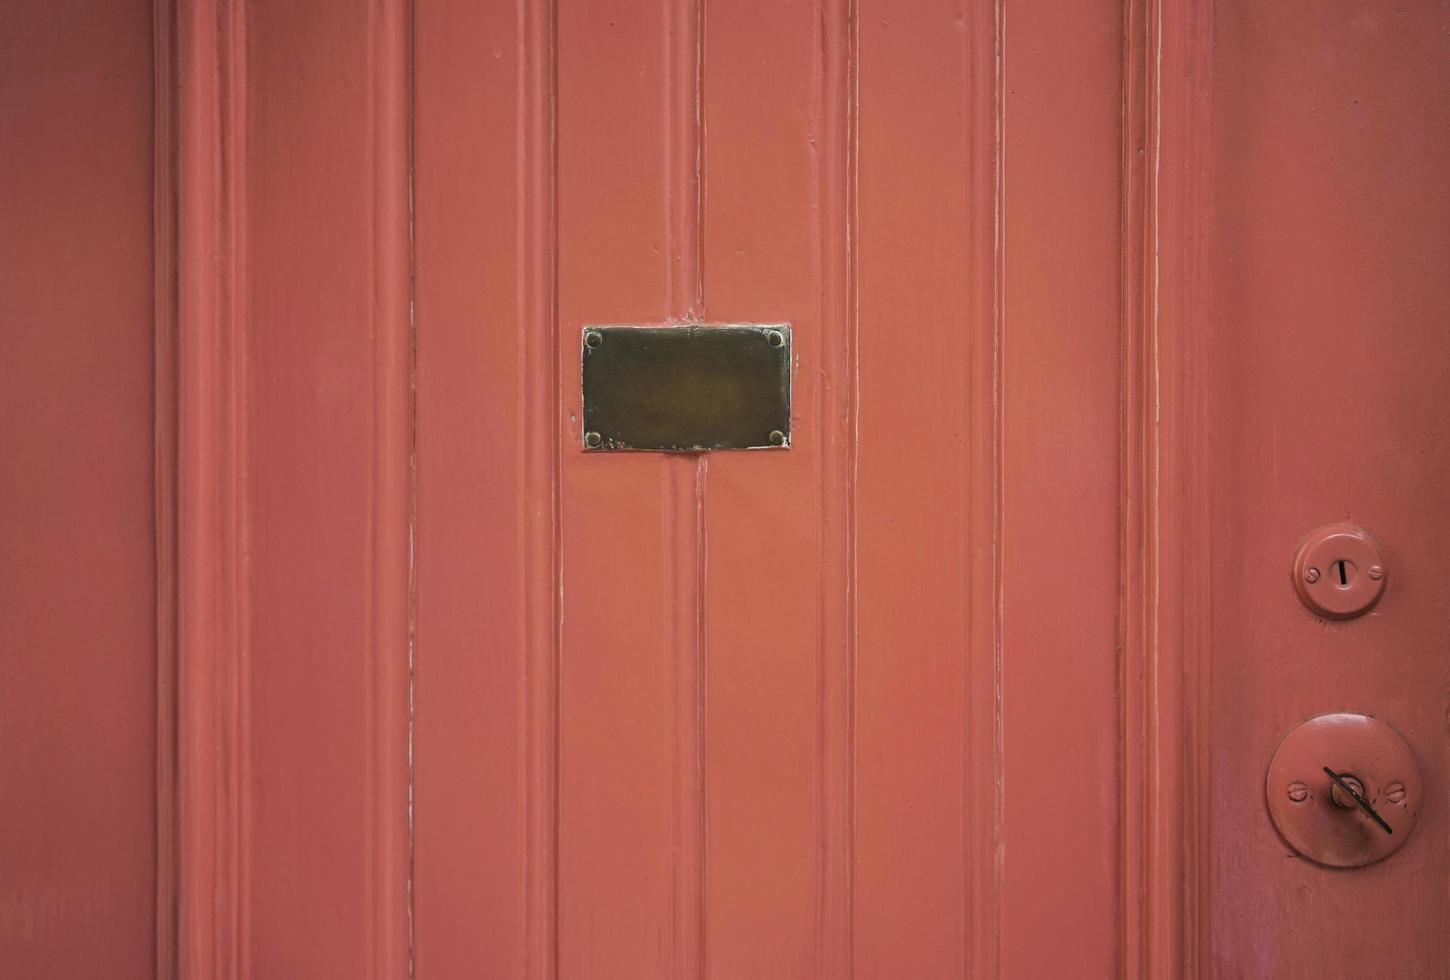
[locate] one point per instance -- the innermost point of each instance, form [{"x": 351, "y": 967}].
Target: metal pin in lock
[{"x": 1348, "y": 784}]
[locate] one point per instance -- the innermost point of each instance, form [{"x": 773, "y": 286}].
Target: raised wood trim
[
  {"x": 1167, "y": 213},
  {"x": 837, "y": 132},
  {"x": 684, "y": 490},
  {"x": 211, "y": 480},
  {"x": 541, "y": 562},
  {"x": 393, "y": 599}
]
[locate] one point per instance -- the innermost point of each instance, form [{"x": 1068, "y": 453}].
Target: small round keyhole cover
[
  {"x": 1339, "y": 572},
  {"x": 1324, "y": 823}
]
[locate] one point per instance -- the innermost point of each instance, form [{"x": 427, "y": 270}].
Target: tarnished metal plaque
[{"x": 686, "y": 389}]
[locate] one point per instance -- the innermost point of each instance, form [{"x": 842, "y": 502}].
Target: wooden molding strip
[
  {"x": 1165, "y": 524},
  {"x": 836, "y": 412},
  {"x": 203, "y": 346},
  {"x": 211, "y": 476},
  {"x": 390, "y": 576}
]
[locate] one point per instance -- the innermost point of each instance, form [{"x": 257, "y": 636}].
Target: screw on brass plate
[
  {"x": 1298, "y": 792},
  {"x": 1395, "y": 792},
  {"x": 593, "y": 440},
  {"x": 1376, "y": 572},
  {"x": 593, "y": 338},
  {"x": 777, "y": 438},
  {"x": 775, "y": 338},
  {"x": 1311, "y": 574}
]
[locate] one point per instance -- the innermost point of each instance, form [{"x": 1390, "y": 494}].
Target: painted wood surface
[
  {"x": 1097, "y": 309},
  {"x": 78, "y": 596},
  {"x": 1331, "y": 348}
]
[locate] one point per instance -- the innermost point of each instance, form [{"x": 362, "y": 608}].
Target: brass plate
[{"x": 686, "y": 389}]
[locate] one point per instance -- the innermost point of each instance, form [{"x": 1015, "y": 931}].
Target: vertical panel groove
[
  {"x": 850, "y": 463},
  {"x": 837, "y": 411},
  {"x": 412, "y": 488},
  {"x": 999, "y": 481},
  {"x": 702, "y": 559},
  {"x": 684, "y": 492},
  {"x": 700, "y": 961},
  {"x": 999, "y": 469},
  {"x": 556, "y": 501},
  {"x": 539, "y": 415},
  {"x": 983, "y": 699},
  {"x": 236, "y": 187},
  {"x": 1137, "y": 301},
  {"x": 685, "y": 482},
  {"x": 697, "y": 241},
  {"x": 684, "y": 113},
  {"x": 166, "y": 474}
]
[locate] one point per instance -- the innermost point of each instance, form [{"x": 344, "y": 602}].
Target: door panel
[
  {"x": 78, "y": 547},
  {"x": 922, "y": 489},
  {"x": 1097, "y": 310},
  {"x": 950, "y": 675},
  {"x": 766, "y": 571},
  {"x": 1059, "y": 522},
  {"x": 627, "y": 729},
  {"x": 1331, "y": 234},
  {"x": 473, "y": 859}
]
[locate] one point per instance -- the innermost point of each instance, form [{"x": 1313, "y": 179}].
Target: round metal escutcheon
[
  {"x": 1322, "y": 821},
  {"x": 1339, "y": 572}
]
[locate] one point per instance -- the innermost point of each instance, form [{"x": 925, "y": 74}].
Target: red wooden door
[{"x": 1097, "y": 310}]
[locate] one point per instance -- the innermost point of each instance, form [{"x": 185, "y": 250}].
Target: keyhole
[{"x": 1342, "y": 572}]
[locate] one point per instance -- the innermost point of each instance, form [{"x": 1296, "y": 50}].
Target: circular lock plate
[
  {"x": 1302, "y": 798},
  {"x": 1339, "y": 572}
]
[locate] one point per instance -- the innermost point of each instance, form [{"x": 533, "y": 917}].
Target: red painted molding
[
  {"x": 231, "y": 451},
  {"x": 837, "y": 402},
  {"x": 211, "y": 477},
  {"x": 540, "y": 409},
  {"x": 390, "y": 651},
  {"x": 1165, "y": 523}
]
